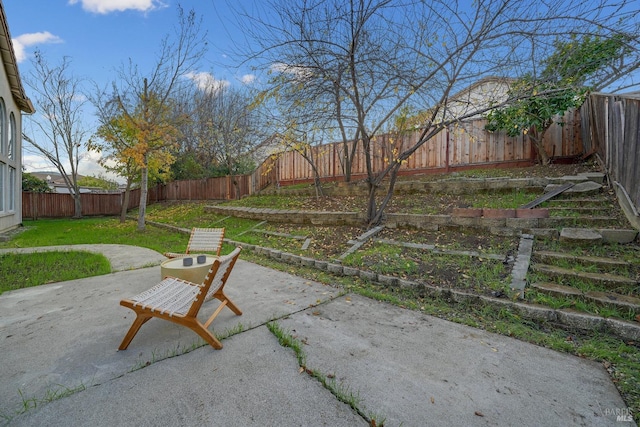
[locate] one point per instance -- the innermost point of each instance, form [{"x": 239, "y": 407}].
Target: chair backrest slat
[
  {"x": 216, "y": 278},
  {"x": 206, "y": 240}
]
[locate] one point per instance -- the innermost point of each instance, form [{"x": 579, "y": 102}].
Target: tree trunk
[
  {"x": 536, "y": 139},
  {"x": 142, "y": 209},
  {"x": 375, "y": 212},
  {"x": 347, "y": 162},
  {"x": 371, "y": 204},
  {"x": 316, "y": 181},
  {"x": 77, "y": 205},
  {"x": 125, "y": 202},
  {"x": 236, "y": 186}
]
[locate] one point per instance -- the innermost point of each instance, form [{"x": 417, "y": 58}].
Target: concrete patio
[{"x": 406, "y": 368}]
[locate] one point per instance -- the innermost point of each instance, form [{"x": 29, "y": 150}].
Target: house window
[
  {"x": 3, "y": 128},
  {"x": 11, "y": 148},
  {"x": 12, "y": 189},
  {"x": 3, "y": 168}
]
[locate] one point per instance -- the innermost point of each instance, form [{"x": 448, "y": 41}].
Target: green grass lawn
[
  {"x": 25, "y": 270},
  {"x": 50, "y": 232},
  {"x": 621, "y": 358}
]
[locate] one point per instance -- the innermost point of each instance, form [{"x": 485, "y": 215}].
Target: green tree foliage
[
  {"x": 576, "y": 66},
  {"x": 34, "y": 184},
  {"x": 187, "y": 166},
  {"x": 97, "y": 182}
]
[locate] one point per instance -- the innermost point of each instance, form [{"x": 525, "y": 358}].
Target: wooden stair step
[
  {"x": 609, "y": 280},
  {"x": 602, "y": 298},
  {"x": 602, "y": 262},
  {"x": 549, "y": 195}
]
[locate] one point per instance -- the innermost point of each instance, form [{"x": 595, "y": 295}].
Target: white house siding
[
  {"x": 13, "y": 101},
  {"x": 10, "y": 158},
  {"x": 486, "y": 92}
]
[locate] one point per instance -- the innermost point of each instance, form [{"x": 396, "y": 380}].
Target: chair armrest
[{"x": 174, "y": 255}]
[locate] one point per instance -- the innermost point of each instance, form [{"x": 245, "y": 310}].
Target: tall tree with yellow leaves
[{"x": 146, "y": 102}]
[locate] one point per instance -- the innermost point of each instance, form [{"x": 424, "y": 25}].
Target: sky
[{"x": 98, "y": 36}]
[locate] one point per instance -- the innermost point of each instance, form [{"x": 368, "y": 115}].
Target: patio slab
[{"x": 407, "y": 368}]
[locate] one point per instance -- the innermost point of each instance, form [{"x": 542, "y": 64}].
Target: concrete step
[
  {"x": 574, "y": 221},
  {"x": 590, "y": 236},
  {"x": 602, "y": 279},
  {"x": 579, "y": 209},
  {"x": 603, "y": 298},
  {"x": 602, "y": 263},
  {"x": 579, "y": 201},
  {"x": 597, "y": 177},
  {"x": 580, "y": 189}
]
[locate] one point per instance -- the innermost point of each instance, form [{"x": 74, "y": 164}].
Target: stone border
[
  {"x": 544, "y": 227},
  {"x": 564, "y": 318},
  {"x": 461, "y": 185},
  {"x": 290, "y": 216}
]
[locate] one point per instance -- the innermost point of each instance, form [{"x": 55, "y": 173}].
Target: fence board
[{"x": 614, "y": 133}]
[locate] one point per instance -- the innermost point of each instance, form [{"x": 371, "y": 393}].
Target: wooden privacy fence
[
  {"x": 463, "y": 145},
  {"x": 220, "y": 188},
  {"x": 466, "y": 144},
  {"x": 611, "y": 128},
  {"x": 55, "y": 205}
]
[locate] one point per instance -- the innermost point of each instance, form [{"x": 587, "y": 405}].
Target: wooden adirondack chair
[
  {"x": 180, "y": 301},
  {"x": 207, "y": 240}
]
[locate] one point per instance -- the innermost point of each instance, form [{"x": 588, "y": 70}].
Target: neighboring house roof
[
  {"x": 54, "y": 177},
  {"x": 469, "y": 102},
  {"x": 483, "y": 93},
  {"x": 8, "y": 57},
  {"x": 268, "y": 147},
  {"x": 490, "y": 80}
]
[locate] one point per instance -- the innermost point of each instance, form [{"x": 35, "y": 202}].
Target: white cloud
[
  {"x": 248, "y": 79},
  {"x": 298, "y": 71},
  {"x": 107, "y": 6},
  {"x": 89, "y": 166},
  {"x": 206, "y": 82},
  {"x": 25, "y": 40},
  {"x": 36, "y": 163}
]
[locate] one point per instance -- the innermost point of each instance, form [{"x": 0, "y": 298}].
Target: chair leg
[
  {"x": 140, "y": 320},
  {"x": 199, "y": 329},
  {"x": 222, "y": 297}
]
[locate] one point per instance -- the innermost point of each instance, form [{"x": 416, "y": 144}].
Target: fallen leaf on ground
[{"x": 478, "y": 413}]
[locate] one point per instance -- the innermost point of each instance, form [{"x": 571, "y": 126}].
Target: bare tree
[
  {"x": 148, "y": 101},
  {"x": 374, "y": 57},
  {"x": 224, "y": 126},
  {"x": 58, "y": 132}
]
